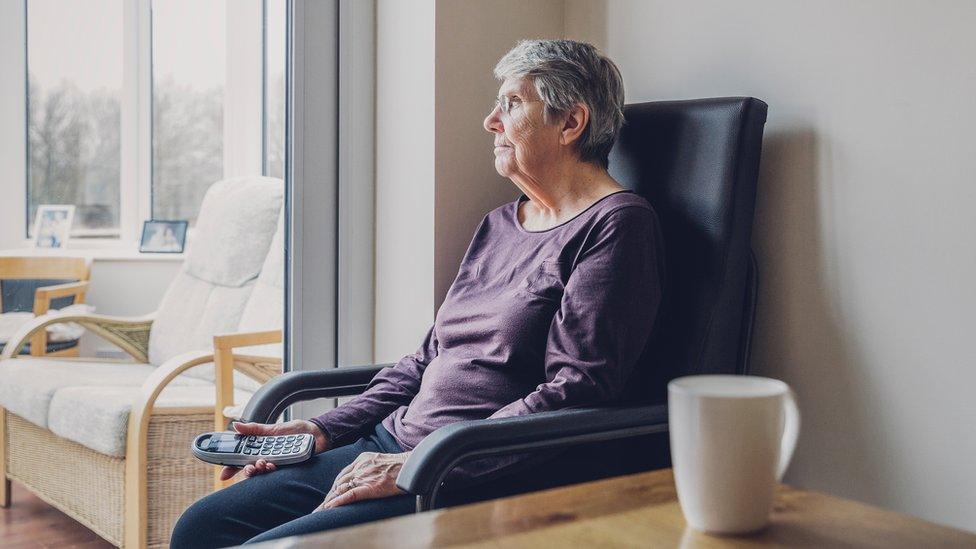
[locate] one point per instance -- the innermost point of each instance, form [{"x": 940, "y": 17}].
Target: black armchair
[{"x": 697, "y": 163}]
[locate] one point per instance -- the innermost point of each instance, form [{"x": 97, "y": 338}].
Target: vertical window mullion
[{"x": 136, "y": 120}]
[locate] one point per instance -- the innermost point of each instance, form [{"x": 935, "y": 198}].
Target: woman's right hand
[{"x": 293, "y": 427}]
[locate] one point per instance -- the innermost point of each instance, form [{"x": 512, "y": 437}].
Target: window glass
[
  {"x": 74, "y": 75},
  {"x": 274, "y": 88},
  {"x": 188, "y": 67}
]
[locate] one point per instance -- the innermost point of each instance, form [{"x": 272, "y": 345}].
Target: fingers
[
  {"x": 352, "y": 496},
  {"x": 344, "y": 476},
  {"x": 228, "y": 472},
  {"x": 251, "y": 428},
  {"x": 259, "y": 467}
]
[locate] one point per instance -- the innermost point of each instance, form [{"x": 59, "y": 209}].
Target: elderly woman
[{"x": 551, "y": 308}]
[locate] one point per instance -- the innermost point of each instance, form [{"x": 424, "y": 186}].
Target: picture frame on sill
[
  {"x": 163, "y": 236},
  {"x": 52, "y": 225}
]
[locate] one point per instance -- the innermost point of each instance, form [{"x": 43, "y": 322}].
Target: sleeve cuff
[{"x": 329, "y": 434}]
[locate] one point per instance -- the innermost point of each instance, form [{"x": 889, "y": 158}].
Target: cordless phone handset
[{"x": 237, "y": 450}]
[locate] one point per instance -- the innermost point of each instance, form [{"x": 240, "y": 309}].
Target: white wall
[
  {"x": 13, "y": 151},
  {"x": 864, "y": 220},
  {"x": 404, "y": 176}
]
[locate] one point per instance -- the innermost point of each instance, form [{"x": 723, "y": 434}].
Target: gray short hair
[{"x": 567, "y": 72}]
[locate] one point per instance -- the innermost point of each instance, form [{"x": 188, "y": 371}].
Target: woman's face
[{"x": 525, "y": 146}]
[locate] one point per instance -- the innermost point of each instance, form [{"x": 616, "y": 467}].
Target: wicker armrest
[{"x": 129, "y": 334}]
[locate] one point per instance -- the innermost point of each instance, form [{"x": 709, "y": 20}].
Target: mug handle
[{"x": 791, "y": 432}]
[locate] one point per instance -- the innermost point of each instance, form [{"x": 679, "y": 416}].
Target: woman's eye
[{"x": 515, "y": 102}]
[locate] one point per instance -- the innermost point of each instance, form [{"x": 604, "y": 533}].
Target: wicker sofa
[{"x": 106, "y": 441}]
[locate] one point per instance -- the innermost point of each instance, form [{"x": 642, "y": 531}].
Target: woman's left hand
[{"x": 370, "y": 476}]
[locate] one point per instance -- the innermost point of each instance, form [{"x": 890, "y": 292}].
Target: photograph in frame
[
  {"x": 163, "y": 237},
  {"x": 52, "y": 225}
]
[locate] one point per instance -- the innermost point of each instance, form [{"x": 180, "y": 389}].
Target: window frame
[{"x": 136, "y": 129}]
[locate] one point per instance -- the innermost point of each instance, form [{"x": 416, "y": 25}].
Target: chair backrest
[
  {"x": 237, "y": 223},
  {"x": 265, "y": 309},
  {"x": 697, "y": 163},
  {"x": 20, "y": 277}
]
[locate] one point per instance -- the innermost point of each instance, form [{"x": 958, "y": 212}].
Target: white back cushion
[
  {"x": 237, "y": 222},
  {"x": 265, "y": 309}
]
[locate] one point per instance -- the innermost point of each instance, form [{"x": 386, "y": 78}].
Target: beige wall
[
  {"x": 435, "y": 175},
  {"x": 864, "y": 220},
  {"x": 472, "y": 35}
]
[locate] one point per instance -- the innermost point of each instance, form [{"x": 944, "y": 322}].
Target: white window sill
[{"x": 93, "y": 254}]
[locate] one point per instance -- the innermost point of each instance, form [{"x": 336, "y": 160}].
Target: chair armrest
[
  {"x": 246, "y": 339},
  {"x": 42, "y": 304},
  {"x": 44, "y": 294},
  {"x": 129, "y": 334},
  {"x": 281, "y": 392},
  {"x": 441, "y": 451},
  {"x": 258, "y": 368},
  {"x": 136, "y": 444}
]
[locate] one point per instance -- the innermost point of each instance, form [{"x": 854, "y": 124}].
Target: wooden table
[{"x": 636, "y": 511}]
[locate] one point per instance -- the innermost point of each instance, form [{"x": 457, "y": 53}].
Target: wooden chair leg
[
  {"x": 5, "y": 485},
  {"x": 5, "y": 492}
]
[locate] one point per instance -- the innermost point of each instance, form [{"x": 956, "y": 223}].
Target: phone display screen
[{"x": 224, "y": 444}]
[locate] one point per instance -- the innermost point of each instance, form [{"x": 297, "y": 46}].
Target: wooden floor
[{"x": 31, "y": 523}]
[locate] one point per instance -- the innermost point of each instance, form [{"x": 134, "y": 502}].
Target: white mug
[{"x": 732, "y": 438}]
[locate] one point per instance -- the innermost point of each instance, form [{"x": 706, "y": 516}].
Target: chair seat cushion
[
  {"x": 28, "y": 384},
  {"x": 56, "y": 333},
  {"x": 98, "y": 417}
]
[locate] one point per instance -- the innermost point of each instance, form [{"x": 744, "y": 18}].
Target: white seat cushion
[
  {"x": 27, "y": 384},
  {"x": 98, "y": 417},
  {"x": 67, "y": 331}
]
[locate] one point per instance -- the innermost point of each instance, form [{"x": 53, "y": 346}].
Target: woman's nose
[{"x": 493, "y": 123}]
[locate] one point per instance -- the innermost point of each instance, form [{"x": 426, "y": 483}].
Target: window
[
  {"x": 189, "y": 70},
  {"x": 274, "y": 88},
  {"x": 135, "y": 107},
  {"x": 74, "y": 79}
]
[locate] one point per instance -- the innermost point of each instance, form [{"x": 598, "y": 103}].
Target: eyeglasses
[{"x": 508, "y": 103}]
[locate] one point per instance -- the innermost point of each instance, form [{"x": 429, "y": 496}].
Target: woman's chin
[{"x": 504, "y": 166}]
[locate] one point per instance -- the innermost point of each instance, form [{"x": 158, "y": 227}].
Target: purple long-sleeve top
[{"x": 534, "y": 321}]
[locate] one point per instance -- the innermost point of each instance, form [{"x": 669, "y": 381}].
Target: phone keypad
[{"x": 275, "y": 445}]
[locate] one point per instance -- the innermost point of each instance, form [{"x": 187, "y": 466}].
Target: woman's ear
[{"x": 574, "y": 124}]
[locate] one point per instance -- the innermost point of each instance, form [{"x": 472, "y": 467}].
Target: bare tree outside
[
  {"x": 187, "y": 147},
  {"x": 74, "y": 150},
  {"x": 73, "y": 144}
]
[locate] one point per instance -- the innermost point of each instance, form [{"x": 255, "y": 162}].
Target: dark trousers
[{"x": 280, "y": 504}]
